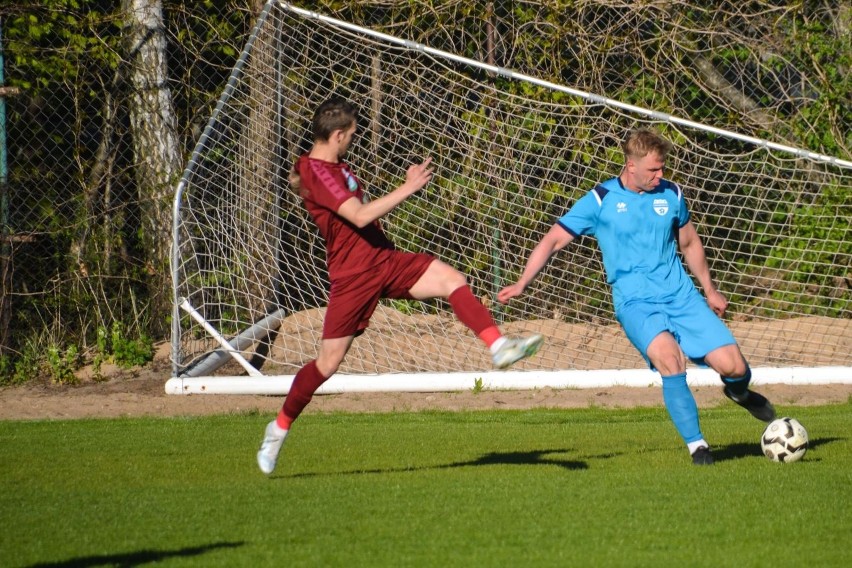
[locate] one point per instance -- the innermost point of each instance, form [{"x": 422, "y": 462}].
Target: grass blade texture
[{"x": 590, "y": 487}]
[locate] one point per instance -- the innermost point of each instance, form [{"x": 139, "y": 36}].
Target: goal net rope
[{"x": 511, "y": 154}]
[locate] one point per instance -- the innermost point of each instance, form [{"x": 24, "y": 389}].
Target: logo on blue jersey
[
  {"x": 661, "y": 206},
  {"x": 621, "y": 207}
]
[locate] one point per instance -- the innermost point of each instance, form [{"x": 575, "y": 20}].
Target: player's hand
[
  {"x": 418, "y": 175},
  {"x": 717, "y": 302},
  {"x": 509, "y": 292}
]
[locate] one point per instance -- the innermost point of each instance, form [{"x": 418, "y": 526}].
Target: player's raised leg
[{"x": 443, "y": 281}]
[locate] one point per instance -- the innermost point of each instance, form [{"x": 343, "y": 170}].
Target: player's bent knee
[
  {"x": 667, "y": 362},
  {"x": 328, "y": 363},
  {"x": 327, "y": 368},
  {"x": 666, "y": 356},
  {"x": 440, "y": 279},
  {"x": 731, "y": 369},
  {"x": 454, "y": 279},
  {"x": 670, "y": 366},
  {"x": 728, "y": 362}
]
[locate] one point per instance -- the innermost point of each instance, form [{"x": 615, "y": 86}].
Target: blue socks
[{"x": 681, "y": 407}]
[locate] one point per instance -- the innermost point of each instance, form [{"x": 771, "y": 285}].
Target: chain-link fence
[
  {"x": 103, "y": 101},
  {"x": 109, "y": 98}
]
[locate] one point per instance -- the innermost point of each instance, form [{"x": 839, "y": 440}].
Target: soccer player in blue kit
[{"x": 640, "y": 220}]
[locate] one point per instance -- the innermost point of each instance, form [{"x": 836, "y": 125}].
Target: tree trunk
[
  {"x": 732, "y": 95},
  {"x": 156, "y": 148}
]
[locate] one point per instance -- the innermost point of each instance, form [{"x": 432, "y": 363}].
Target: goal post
[{"x": 512, "y": 153}]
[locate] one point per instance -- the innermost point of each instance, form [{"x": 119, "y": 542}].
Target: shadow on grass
[
  {"x": 533, "y": 457},
  {"x": 745, "y": 450},
  {"x": 130, "y": 559}
]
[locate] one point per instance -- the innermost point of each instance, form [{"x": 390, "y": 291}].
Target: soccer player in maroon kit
[{"x": 364, "y": 266}]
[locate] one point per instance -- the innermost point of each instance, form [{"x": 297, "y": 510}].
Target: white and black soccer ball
[{"x": 784, "y": 440}]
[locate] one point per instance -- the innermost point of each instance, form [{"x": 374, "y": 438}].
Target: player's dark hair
[
  {"x": 642, "y": 141},
  {"x": 333, "y": 114}
]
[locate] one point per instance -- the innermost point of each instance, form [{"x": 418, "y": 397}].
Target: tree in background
[
  {"x": 98, "y": 139},
  {"x": 156, "y": 148}
]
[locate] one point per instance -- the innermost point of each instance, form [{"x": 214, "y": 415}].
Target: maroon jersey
[{"x": 324, "y": 188}]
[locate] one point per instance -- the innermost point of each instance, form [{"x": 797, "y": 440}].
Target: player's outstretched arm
[
  {"x": 696, "y": 261},
  {"x": 362, "y": 214},
  {"x": 556, "y": 239}
]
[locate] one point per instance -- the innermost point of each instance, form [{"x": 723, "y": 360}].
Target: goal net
[{"x": 512, "y": 153}]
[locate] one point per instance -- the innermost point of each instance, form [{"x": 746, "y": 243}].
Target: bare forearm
[
  {"x": 536, "y": 262},
  {"x": 362, "y": 214},
  {"x": 556, "y": 239},
  {"x": 696, "y": 261},
  {"x": 553, "y": 241},
  {"x": 378, "y": 208}
]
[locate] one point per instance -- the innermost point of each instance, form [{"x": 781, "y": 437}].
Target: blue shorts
[{"x": 693, "y": 324}]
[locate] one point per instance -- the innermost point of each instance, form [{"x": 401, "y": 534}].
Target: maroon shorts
[{"x": 353, "y": 299}]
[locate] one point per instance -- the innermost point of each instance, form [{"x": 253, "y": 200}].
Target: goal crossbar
[{"x": 510, "y": 74}]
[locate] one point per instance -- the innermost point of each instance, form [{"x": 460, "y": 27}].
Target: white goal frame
[{"x": 194, "y": 373}]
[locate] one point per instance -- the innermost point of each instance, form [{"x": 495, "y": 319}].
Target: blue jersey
[{"x": 637, "y": 235}]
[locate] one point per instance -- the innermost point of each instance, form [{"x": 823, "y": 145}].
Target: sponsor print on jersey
[
  {"x": 661, "y": 206},
  {"x": 621, "y": 207}
]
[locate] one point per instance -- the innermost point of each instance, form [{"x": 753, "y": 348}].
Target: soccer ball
[{"x": 784, "y": 440}]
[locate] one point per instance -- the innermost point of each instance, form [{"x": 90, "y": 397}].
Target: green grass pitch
[{"x": 590, "y": 487}]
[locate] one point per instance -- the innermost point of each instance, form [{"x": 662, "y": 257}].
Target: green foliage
[
  {"x": 477, "y": 385},
  {"x": 45, "y": 356},
  {"x": 16, "y": 370},
  {"x": 61, "y": 364},
  {"x": 39, "y": 355},
  {"x": 823, "y": 122},
  {"x": 67, "y": 57},
  {"x": 407, "y": 307},
  {"x": 27, "y": 365},
  {"x": 815, "y": 257},
  {"x": 61, "y": 39},
  {"x": 101, "y": 349},
  {"x": 128, "y": 351}
]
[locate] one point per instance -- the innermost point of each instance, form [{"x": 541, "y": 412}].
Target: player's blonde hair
[{"x": 642, "y": 141}]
